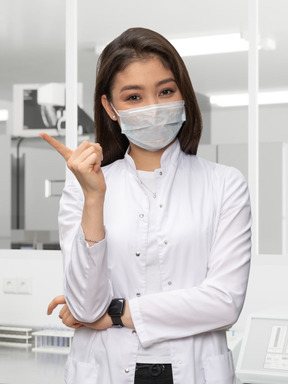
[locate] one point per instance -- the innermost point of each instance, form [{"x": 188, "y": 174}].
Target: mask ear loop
[{"x": 114, "y": 117}]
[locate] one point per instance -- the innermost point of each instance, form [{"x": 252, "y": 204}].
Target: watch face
[{"x": 116, "y": 307}]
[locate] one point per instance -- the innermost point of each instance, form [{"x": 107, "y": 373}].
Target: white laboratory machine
[{"x": 263, "y": 357}]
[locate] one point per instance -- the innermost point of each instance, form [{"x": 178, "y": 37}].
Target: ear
[{"x": 108, "y": 108}]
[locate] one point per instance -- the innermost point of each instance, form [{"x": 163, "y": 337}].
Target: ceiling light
[
  {"x": 213, "y": 44},
  {"x": 242, "y": 99},
  {"x": 4, "y": 114},
  {"x": 207, "y": 45},
  {"x": 203, "y": 45}
]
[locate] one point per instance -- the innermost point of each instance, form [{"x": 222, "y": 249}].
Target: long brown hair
[{"x": 132, "y": 45}]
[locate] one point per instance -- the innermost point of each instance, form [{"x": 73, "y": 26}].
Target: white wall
[
  {"x": 267, "y": 288},
  {"x": 45, "y": 269},
  {"x": 5, "y": 104},
  {"x": 230, "y": 125}
]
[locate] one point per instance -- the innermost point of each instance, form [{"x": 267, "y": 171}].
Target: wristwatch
[{"x": 116, "y": 310}]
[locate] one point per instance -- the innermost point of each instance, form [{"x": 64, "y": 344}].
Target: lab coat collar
[{"x": 169, "y": 158}]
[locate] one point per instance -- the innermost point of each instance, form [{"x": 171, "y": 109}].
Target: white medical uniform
[{"x": 203, "y": 236}]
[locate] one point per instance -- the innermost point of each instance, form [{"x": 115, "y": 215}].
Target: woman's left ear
[{"x": 108, "y": 108}]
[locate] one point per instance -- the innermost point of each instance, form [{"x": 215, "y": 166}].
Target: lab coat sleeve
[
  {"x": 87, "y": 288},
  {"x": 217, "y": 302}
]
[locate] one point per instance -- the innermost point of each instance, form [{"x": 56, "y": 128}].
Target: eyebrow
[
  {"x": 139, "y": 87},
  {"x": 129, "y": 87},
  {"x": 165, "y": 81}
]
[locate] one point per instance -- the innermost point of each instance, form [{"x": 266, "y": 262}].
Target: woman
[{"x": 151, "y": 293}]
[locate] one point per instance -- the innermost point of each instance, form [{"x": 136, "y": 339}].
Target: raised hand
[{"x": 84, "y": 162}]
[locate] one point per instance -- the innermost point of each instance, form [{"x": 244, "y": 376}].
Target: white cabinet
[{"x": 42, "y": 165}]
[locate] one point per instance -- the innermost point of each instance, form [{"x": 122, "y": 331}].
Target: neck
[{"x": 145, "y": 160}]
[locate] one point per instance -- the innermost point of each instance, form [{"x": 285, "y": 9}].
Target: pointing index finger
[{"x": 61, "y": 148}]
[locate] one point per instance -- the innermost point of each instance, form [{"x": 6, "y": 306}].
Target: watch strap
[{"x": 117, "y": 322}]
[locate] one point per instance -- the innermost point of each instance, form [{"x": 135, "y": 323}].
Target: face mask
[{"x": 152, "y": 127}]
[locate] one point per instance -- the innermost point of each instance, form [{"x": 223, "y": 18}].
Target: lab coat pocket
[
  {"x": 219, "y": 369},
  {"x": 78, "y": 372}
]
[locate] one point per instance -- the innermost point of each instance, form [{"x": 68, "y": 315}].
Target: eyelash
[
  {"x": 168, "y": 91},
  {"x": 165, "y": 92},
  {"x": 133, "y": 98}
]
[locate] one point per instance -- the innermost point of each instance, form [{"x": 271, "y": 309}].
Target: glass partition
[
  {"x": 273, "y": 136},
  {"x": 37, "y": 53},
  {"x": 32, "y": 55}
]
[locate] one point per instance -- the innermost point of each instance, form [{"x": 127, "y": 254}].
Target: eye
[
  {"x": 133, "y": 97},
  {"x": 167, "y": 92}
]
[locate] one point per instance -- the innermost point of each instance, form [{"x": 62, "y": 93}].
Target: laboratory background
[{"x": 236, "y": 52}]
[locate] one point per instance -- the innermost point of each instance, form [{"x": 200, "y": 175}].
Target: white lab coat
[{"x": 203, "y": 234}]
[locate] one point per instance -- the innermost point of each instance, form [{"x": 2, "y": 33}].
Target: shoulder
[
  {"x": 212, "y": 169},
  {"x": 116, "y": 165},
  {"x": 221, "y": 180},
  {"x": 115, "y": 170}
]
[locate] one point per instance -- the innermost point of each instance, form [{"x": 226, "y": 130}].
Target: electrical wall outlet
[
  {"x": 18, "y": 285},
  {"x": 24, "y": 286},
  {"x": 10, "y": 285}
]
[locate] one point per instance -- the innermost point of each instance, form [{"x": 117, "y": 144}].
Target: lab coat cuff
[
  {"x": 96, "y": 248},
  {"x": 138, "y": 322},
  {"x": 81, "y": 236}
]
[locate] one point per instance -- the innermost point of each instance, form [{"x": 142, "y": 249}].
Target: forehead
[{"x": 143, "y": 71}]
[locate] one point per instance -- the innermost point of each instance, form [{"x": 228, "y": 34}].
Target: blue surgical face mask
[{"x": 152, "y": 127}]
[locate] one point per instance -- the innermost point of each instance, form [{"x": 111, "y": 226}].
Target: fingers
[
  {"x": 56, "y": 301},
  {"x": 61, "y": 148},
  {"x": 65, "y": 313},
  {"x": 87, "y": 147},
  {"x": 89, "y": 160},
  {"x": 86, "y": 157},
  {"x": 67, "y": 318}
]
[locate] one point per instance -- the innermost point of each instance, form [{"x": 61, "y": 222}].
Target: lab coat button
[
  {"x": 169, "y": 282},
  {"x": 127, "y": 370},
  {"x": 141, "y": 215},
  {"x": 137, "y": 254},
  {"x": 165, "y": 242},
  {"x": 134, "y": 332},
  {"x": 160, "y": 173},
  {"x": 138, "y": 294},
  {"x": 161, "y": 206}
]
